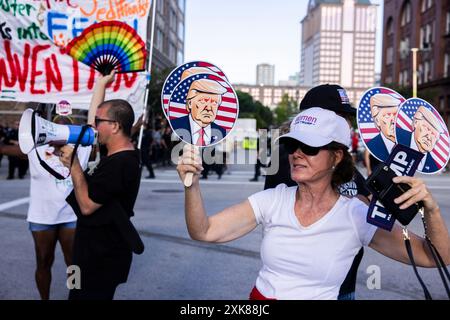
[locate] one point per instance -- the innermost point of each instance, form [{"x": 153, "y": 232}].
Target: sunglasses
[
  {"x": 291, "y": 145},
  {"x": 98, "y": 120}
]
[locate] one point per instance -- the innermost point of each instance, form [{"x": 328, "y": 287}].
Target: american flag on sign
[
  {"x": 367, "y": 127},
  {"x": 441, "y": 151},
  {"x": 228, "y": 109},
  {"x": 174, "y": 79}
]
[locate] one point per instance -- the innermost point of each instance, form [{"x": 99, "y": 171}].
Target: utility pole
[{"x": 414, "y": 71}]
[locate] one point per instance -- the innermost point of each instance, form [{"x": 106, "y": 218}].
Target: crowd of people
[{"x": 317, "y": 197}]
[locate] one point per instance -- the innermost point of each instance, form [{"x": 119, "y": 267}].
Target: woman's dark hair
[{"x": 345, "y": 169}]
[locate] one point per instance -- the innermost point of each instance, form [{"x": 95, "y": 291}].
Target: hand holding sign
[{"x": 190, "y": 165}]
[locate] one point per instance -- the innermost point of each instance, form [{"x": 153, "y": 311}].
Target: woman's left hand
[
  {"x": 65, "y": 155},
  {"x": 418, "y": 192}
]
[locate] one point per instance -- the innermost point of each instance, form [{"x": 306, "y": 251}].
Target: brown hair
[{"x": 345, "y": 169}]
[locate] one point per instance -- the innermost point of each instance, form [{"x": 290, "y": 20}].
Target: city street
[{"x": 175, "y": 267}]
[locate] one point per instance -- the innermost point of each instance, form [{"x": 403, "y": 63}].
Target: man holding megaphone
[{"x": 104, "y": 200}]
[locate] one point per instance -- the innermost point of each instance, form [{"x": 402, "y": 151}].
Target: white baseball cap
[{"x": 317, "y": 127}]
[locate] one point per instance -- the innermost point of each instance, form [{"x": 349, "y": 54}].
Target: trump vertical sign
[
  {"x": 420, "y": 127},
  {"x": 33, "y": 65},
  {"x": 199, "y": 103}
]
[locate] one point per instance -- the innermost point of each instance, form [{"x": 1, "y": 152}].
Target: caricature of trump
[
  {"x": 426, "y": 131},
  {"x": 383, "y": 108},
  {"x": 202, "y": 102}
]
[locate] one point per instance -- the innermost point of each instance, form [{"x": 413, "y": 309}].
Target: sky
[{"x": 236, "y": 35}]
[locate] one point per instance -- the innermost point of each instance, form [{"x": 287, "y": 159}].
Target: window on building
[
  {"x": 180, "y": 57},
  {"x": 429, "y": 34},
  {"x": 423, "y": 6},
  {"x": 404, "y": 48},
  {"x": 160, "y": 6},
  {"x": 181, "y": 30},
  {"x": 426, "y": 71},
  {"x": 447, "y": 65},
  {"x": 403, "y": 78},
  {"x": 420, "y": 74},
  {"x": 390, "y": 26},
  {"x": 172, "y": 52},
  {"x": 159, "y": 41},
  {"x": 406, "y": 14},
  {"x": 181, "y": 5},
  {"x": 173, "y": 20},
  {"x": 447, "y": 24},
  {"x": 422, "y": 37},
  {"x": 389, "y": 55}
]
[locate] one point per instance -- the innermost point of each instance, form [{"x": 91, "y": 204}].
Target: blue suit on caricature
[
  {"x": 404, "y": 137},
  {"x": 182, "y": 127},
  {"x": 378, "y": 148}
]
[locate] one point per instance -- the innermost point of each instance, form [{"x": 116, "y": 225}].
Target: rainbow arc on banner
[{"x": 109, "y": 45}]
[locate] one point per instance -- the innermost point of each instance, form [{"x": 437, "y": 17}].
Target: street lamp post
[{"x": 414, "y": 71}]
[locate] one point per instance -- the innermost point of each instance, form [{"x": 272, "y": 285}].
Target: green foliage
[
  {"x": 254, "y": 110},
  {"x": 246, "y": 103},
  {"x": 285, "y": 109},
  {"x": 154, "y": 107}
]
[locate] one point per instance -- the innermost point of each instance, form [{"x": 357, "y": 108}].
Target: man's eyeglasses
[
  {"x": 98, "y": 120},
  {"x": 291, "y": 145}
]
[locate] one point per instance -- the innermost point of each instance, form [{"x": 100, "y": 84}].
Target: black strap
[
  {"x": 440, "y": 265},
  {"x": 413, "y": 263},
  {"x": 57, "y": 175},
  {"x": 442, "y": 268}
]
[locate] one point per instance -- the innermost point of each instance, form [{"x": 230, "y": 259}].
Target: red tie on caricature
[{"x": 201, "y": 138}]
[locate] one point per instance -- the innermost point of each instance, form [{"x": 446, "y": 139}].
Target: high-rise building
[
  {"x": 265, "y": 74},
  {"x": 425, "y": 25},
  {"x": 168, "y": 41},
  {"x": 338, "y": 43}
]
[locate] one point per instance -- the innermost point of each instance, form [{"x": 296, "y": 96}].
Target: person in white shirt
[
  {"x": 50, "y": 218},
  {"x": 311, "y": 233}
]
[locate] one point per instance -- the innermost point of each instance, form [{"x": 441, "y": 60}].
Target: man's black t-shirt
[
  {"x": 352, "y": 188},
  {"x": 100, "y": 251}
]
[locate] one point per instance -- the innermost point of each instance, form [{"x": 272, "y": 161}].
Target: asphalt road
[{"x": 175, "y": 267}]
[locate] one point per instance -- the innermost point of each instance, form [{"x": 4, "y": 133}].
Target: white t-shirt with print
[
  {"x": 47, "y": 194},
  {"x": 307, "y": 262}
]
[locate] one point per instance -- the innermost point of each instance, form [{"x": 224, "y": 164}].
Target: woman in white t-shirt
[
  {"x": 50, "y": 218},
  {"x": 311, "y": 233}
]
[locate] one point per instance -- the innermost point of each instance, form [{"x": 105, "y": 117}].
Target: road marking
[{"x": 14, "y": 203}]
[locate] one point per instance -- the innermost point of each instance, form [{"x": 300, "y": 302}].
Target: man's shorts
[{"x": 46, "y": 227}]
